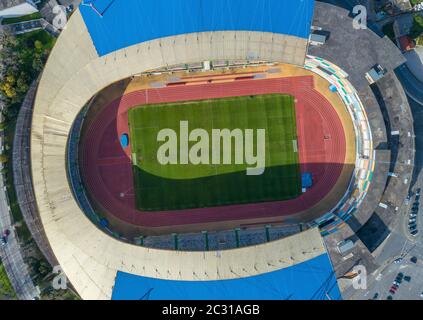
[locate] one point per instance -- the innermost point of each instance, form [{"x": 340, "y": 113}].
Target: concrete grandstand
[{"x": 110, "y": 251}]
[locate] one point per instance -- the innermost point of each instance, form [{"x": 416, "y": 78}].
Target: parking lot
[
  {"x": 401, "y": 280},
  {"x": 414, "y": 215}
]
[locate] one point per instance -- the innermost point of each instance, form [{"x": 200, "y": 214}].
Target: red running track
[{"x": 106, "y": 168}]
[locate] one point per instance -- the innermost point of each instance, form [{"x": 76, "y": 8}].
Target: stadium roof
[
  {"x": 116, "y": 24},
  {"x": 89, "y": 257},
  {"x": 313, "y": 279}
]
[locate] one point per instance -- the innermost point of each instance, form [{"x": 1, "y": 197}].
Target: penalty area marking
[{"x": 295, "y": 145}]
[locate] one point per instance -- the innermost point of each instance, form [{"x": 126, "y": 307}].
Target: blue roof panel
[
  {"x": 310, "y": 280},
  {"x": 117, "y": 24}
]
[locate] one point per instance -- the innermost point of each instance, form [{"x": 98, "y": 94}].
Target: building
[
  {"x": 375, "y": 74},
  {"x": 17, "y": 8},
  {"x": 96, "y": 263},
  {"x": 317, "y": 39},
  {"x": 345, "y": 246},
  {"x": 403, "y": 5}
]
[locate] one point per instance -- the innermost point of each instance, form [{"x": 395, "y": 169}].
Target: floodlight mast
[{"x": 91, "y": 5}]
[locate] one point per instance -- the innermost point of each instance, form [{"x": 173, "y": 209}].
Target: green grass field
[
  {"x": 6, "y": 288},
  {"x": 183, "y": 186}
]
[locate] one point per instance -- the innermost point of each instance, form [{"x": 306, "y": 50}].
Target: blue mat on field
[
  {"x": 116, "y": 24},
  {"x": 311, "y": 280},
  {"x": 307, "y": 180}
]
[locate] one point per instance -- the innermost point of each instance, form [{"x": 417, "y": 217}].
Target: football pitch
[{"x": 182, "y": 185}]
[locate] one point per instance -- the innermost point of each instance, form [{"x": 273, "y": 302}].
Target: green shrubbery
[
  {"x": 417, "y": 27},
  {"x": 415, "y": 2},
  {"x": 32, "y": 16},
  {"x": 22, "y": 57},
  {"x": 6, "y": 289}
]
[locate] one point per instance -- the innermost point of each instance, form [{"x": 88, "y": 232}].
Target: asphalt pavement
[
  {"x": 400, "y": 244},
  {"x": 412, "y": 86}
]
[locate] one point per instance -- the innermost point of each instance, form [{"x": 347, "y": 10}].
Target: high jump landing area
[{"x": 107, "y": 173}]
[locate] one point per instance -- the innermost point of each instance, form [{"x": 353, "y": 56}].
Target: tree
[
  {"x": 43, "y": 269},
  {"x": 3, "y": 158},
  {"x": 21, "y": 85},
  {"x": 38, "y": 45},
  {"x": 417, "y": 27},
  {"x": 8, "y": 90},
  {"x": 37, "y": 63},
  {"x": 11, "y": 79}
]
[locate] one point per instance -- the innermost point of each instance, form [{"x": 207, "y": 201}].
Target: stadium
[{"x": 123, "y": 226}]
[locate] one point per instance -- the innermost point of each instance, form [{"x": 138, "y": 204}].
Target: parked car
[
  {"x": 418, "y": 191},
  {"x": 3, "y": 241},
  {"x": 6, "y": 232},
  {"x": 399, "y": 260},
  {"x": 69, "y": 8},
  {"x": 407, "y": 200},
  {"x": 414, "y": 232},
  {"x": 407, "y": 278},
  {"x": 418, "y": 198}
]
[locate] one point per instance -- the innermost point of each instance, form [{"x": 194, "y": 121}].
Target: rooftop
[
  {"x": 5, "y": 4},
  {"x": 313, "y": 279},
  {"x": 116, "y": 24}
]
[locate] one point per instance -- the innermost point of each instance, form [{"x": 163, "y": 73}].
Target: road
[
  {"x": 381, "y": 281},
  {"x": 412, "y": 86},
  {"x": 400, "y": 243},
  {"x": 11, "y": 255}
]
